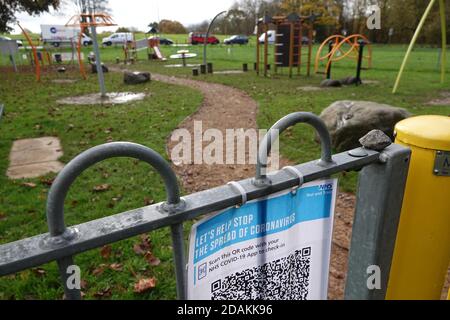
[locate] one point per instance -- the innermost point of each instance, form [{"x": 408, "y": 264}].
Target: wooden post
[
  {"x": 258, "y": 49},
  {"x": 266, "y": 48},
  {"x": 310, "y": 35},
  {"x": 291, "y": 48}
]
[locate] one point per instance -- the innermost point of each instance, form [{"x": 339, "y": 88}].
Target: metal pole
[
  {"x": 360, "y": 60},
  {"x": 379, "y": 203},
  {"x": 98, "y": 63},
  {"x": 330, "y": 48},
  {"x": 411, "y": 45},
  {"x": 205, "y": 42}
]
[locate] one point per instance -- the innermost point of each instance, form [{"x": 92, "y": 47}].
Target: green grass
[{"x": 31, "y": 111}]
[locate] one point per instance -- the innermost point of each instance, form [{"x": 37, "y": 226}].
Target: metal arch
[
  {"x": 281, "y": 126},
  {"x": 353, "y": 48},
  {"x": 318, "y": 57},
  {"x": 60, "y": 235}
]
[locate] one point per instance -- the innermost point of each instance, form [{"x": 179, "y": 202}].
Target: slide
[{"x": 158, "y": 53}]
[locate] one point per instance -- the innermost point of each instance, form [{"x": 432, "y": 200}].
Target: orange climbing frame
[{"x": 339, "y": 43}]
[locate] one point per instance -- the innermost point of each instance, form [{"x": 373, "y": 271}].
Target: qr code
[{"x": 283, "y": 279}]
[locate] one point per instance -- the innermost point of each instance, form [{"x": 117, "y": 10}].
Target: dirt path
[{"x": 228, "y": 108}]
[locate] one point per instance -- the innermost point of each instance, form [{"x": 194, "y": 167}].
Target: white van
[
  {"x": 118, "y": 38},
  {"x": 271, "y": 37},
  {"x": 57, "y": 35}
]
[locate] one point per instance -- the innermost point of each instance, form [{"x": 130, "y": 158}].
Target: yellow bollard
[{"x": 422, "y": 252}]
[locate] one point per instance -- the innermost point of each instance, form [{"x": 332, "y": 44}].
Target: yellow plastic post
[{"x": 422, "y": 252}]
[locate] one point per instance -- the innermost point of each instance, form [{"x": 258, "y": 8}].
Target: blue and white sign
[{"x": 273, "y": 248}]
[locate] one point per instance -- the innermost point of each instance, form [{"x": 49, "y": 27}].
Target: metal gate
[{"x": 379, "y": 199}]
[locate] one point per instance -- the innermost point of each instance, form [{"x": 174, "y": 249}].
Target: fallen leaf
[
  {"x": 105, "y": 293},
  {"x": 152, "y": 260},
  {"x": 105, "y": 252},
  {"x": 101, "y": 188},
  {"x": 137, "y": 248},
  {"x": 47, "y": 182},
  {"x": 144, "y": 285},
  {"x": 29, "y": 185},
  {"x": 99, "y": 271},
  {"x": 116, "y": 267},
  {"x": 83, "y": 284},
  {"x": 148, "y": 201},
  {"x": 39, "y": 272},
  {"x": 145, "y": 241},
  {"x": 2, "y": 216}
]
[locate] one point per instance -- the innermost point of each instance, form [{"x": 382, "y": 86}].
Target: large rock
[
  {"x": 349, "y": 121},
  {"x": 94, "y": 68},
  {"x": 136, "y": 77}
]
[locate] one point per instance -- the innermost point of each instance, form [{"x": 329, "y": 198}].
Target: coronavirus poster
[{"x": 273, "y": 248}]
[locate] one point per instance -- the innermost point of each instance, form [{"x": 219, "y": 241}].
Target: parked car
[
  {"x": 163, "y": 41},
  {"x": 236, "y": 39},
  {"x": 118, "y": 38},
  {"x": 199, "y": 38},
  {"x": 271, "y": 37},
  {"x": 19, "y": 42}
]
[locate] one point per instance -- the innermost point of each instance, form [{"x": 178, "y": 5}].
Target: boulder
[
  {"x": 94, "y": 68},
  {"x": 350, "y": 80},
  {"x": 349, "y": 121},
  {"x": 331, "y": 83},
  {"x": 136, "y": 77}
]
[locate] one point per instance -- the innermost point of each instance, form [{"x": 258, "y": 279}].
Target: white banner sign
[{"x": 274, "y": 248}]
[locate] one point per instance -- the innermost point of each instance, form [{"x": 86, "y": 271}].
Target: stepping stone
[{"x": 33, "y": 158}]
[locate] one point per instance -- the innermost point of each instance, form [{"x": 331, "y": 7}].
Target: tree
[
  {"x": 173, "y": 27},
  {"x": 9, "y": 8},
  {"x": 328, "y": 10}
]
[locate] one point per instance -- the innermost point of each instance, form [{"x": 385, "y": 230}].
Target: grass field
[{"x": 32, "y": 111}]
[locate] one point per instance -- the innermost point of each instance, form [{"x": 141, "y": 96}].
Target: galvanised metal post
[
  {"x": 281, "y": 126},
  {"x": 1, "y": 111},
  {"x": 205, "y": 43},
  {"x": 98, "y": 63},
  {"x": 379, "y": 202},
  {"x": 60, "y": 235}
]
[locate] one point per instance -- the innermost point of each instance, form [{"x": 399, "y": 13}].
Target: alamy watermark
[
  {"x": 374, "y": 278},
  {"x": 73, "y": 281},
  {"x": 217, "y": 147},
  {"x": 374, "y": 19}
]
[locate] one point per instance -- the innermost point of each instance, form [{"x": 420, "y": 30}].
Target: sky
[{"x": 137, "y": 13}]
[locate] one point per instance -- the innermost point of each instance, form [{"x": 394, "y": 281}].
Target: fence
[{"x": 379, "y": 199}]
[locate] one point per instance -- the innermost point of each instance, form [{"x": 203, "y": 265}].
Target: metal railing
[{"x": 380, "y": 193}]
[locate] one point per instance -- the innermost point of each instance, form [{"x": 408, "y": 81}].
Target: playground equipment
[
  {"x": 289, "y": 41},
  {"x": 339, "y": 48},
  {"x": 131, "y": 49},
  {"x": 183, "y": 54},
  {"x": 93, "y": 20},
  {"x": 41, "y": 55},
  {"x": 416, "y": 35}
]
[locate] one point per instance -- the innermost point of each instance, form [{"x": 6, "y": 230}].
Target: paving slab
[{"x": 33, "y": 158}]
